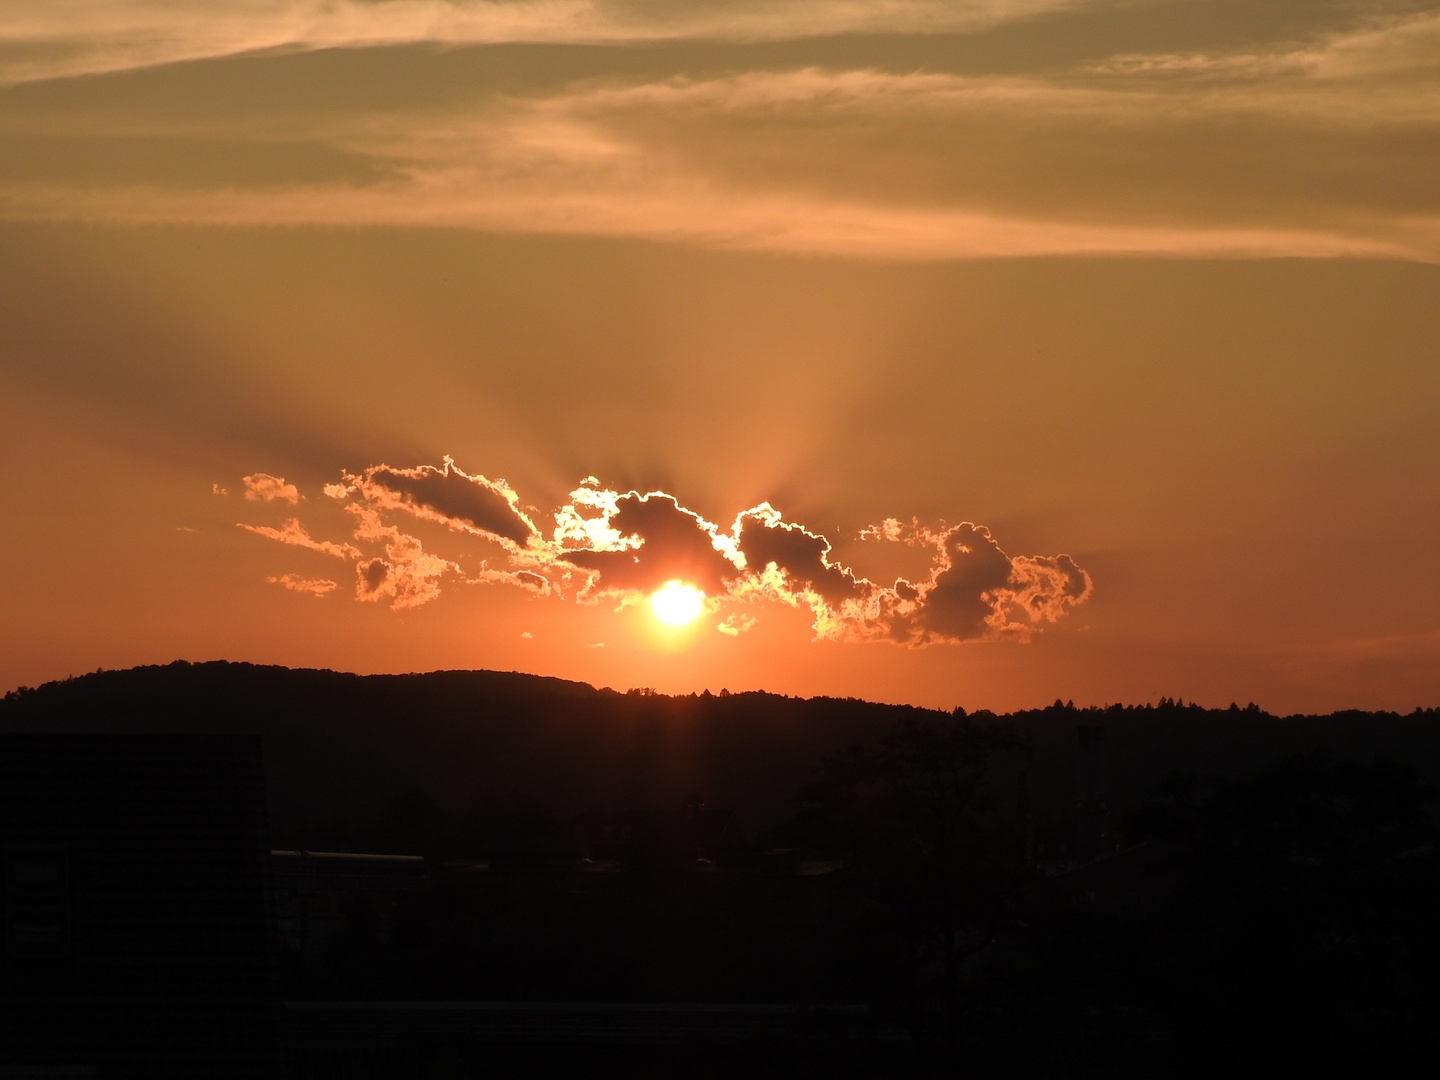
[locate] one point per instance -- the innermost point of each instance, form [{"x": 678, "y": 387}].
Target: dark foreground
[{"x": 218, "y": 870}]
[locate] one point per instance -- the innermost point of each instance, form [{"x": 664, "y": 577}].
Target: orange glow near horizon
[{"x": 676, "y": 603}]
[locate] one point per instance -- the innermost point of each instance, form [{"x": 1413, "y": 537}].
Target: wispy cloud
[
  {"x": 316, "y": 587},
  {"x": 619, "y": 547},
  {"x": 59, "y": 38},
  {"x": 735, "y": 625},
  {"x": 1394, "y": 45},
  {"x": 748, "y": 221},
  {"x": 1319, "y": 147},
  {"x": 293, "y": 533}
]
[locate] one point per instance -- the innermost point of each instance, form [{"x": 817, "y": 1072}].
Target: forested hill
[{"x": 344, "y": 745}]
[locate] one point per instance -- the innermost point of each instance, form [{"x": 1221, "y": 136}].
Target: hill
[{"x": 340, "y": 745}]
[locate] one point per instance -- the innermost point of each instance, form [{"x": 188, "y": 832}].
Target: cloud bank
[
  {"x": 1318, "y": 143},
  {"x": 619, "y": 547},
  {"x": 1318, "y": 147}
]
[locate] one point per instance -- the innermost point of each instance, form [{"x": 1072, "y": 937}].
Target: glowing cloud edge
[{"x": 628, "y": 546}]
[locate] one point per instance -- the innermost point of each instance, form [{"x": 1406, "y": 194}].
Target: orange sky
[{"x": 1151, "y": 286}]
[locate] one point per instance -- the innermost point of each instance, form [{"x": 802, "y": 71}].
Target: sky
[{"x": 977, "y": 353}]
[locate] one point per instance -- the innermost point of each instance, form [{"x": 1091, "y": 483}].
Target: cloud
[
  {"x": 524, "y": 579},
  {"x": 800, "y": 556},
  {"x": 1317, "y": 149},
  {"x": 1395, "y": 45},
  {"x": 446, "y": 495},
  {"x": 58, "y": 38},
  {"x": 958, "y": 602},
  {"x": 624, "y": 545},
  {"x": 262, "y": 487},
  {"x": 735, "y": 625},
  {"x": 292, "y": 532},
  {"x": 316, "y": 587},
  {"x": 741, "y": 220},
  {"x": 977, "y": 591},
  {"x": 656, "y": 540},
  {"x": 391, "y": 565},
  {"x": 406, "y": 575}
]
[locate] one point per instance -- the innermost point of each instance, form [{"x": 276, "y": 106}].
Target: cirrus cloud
[
  {"x": 295, "y": 534},
  {"x": 316, "y": 587},
  {"x": 1313, "y": 140},
  {"x": 50, "y": 39}
]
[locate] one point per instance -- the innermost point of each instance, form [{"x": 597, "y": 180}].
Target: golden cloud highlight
[
  {"x": 406, "y": 575},
  {"x": 316, "y": 587},
  {"x": 293, "y": 533},
  {"x": 445, "y": 495},
  {"x": 262, "y": 487}
]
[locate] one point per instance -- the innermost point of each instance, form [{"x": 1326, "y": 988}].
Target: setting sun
[{"x": 676, "y": 603}]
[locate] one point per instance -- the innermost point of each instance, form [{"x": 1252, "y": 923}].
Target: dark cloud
[
  {"x": 978, "y": 592},
  {"x": 371, "y": 576},
  {"x": 451, "y": 497},
  {"x": 803, "y": 556},
  {"x": 958, "y": 605},
  {"x": 672, "y": 543}
]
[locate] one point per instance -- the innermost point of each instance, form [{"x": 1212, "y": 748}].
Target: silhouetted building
[{"x": 138, "y": 928}]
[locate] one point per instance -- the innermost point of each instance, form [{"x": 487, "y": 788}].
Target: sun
[{"x": 676, "y": 603}]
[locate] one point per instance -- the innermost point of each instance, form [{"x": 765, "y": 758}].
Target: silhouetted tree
[
  {"x": 914, "y": 818},
  {"x": 1304, "y": 932}
]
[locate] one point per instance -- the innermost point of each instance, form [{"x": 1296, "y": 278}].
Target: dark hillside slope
[
  {"x": 342, "y": 745},
  {"x": 1143, "y": 744}
]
